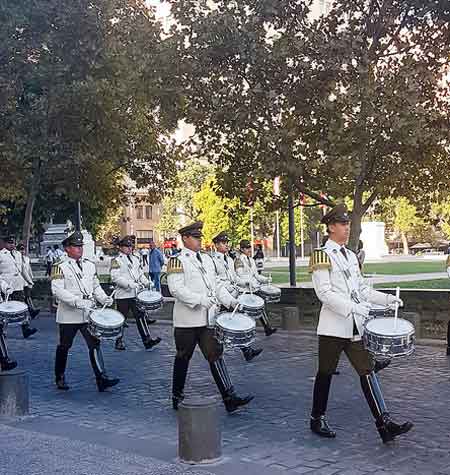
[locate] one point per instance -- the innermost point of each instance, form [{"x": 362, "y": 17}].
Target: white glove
[
  {"x": 6, "y": 289},
  {"x": 207, "y": 302},
  {"x": 108, "y": 301},
  {"x": 393, "y": 300},
  {"x": 235, "y": 303},
  {"x": 133, "y": 286},
  {"x": 362, "y": 309},
  {"x": 84, "y": 304}
]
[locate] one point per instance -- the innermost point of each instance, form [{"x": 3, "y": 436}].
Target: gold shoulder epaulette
[
  {"x": 174, "y": 266},
  {"x": 115, "y": 264},
  {"x": 319, "y": 260},
  {"x": 57, "y": 273}
]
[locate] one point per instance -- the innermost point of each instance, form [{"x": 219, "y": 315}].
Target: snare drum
[
  {"x": 270, "y": 293},
  {"x": 13, "y": 312},
  {"x": 149, "y": 301},
  {"x": 378, "y": 311},
  {"x": 235, "y": 331},
  {"x": 383, "y": 337},
  {"x": 106, "y": 324},
  {"x": 252, "y": 305}
]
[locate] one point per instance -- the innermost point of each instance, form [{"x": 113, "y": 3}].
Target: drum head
[
  {"x": 107, "y": 318},
  {"x": 237, "y": 322},
  {"x": 249, "y": 300},
  {"x": 12, "y": 307},
  {"x": 270, "y": 290},
  {"x": 387, "y": 327},
  {"x": 149, "y": 296}
]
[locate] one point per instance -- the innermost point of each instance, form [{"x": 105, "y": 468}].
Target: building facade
[{"x": 140, "y": 218}]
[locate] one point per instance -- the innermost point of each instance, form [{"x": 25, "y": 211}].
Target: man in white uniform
[
  {"x": 227, "y": 275},
  {"x": 346, "y": 301},
  {"x": 246, "y": 270},
  {"x": 28, "y": 282},
  {"x": 6, "y": 364},
  {"x": 191, "y": 277},
  {"x": 76, "y": 287}
]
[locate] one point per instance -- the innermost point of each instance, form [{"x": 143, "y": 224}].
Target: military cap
[
  {"x": 245, "y": 244},
  {"x": 126, "y": 241},
  {"x": 221, "y": 237},
  {"x": 338, "y": 214},
  {"x": 75, "y": 239},
  {"x": 194, "y": 230}
]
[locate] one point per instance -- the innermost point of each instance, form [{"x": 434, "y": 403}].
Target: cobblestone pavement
[{"x": 271, "y": 436}]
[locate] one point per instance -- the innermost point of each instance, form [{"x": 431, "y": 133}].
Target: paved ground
[{"x": 132, "y": 428}]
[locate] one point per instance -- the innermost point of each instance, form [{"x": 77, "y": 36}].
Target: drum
[
  {"x": 105, "y": 323},
  {"x": 382, "y": 337},
  {"x": 252, "y": 305},
  {"x": 235, "y": 331},
  {"x": 270, "y": 293},
  {"x": 149, "y": 301},
  {"x": 378, "y": 311},
  {"x": 13, "y": 312}
]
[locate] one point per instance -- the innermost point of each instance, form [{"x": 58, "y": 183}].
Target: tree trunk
[
  {"x": 35, "y": 180},
  {"x": 357, "y": 215},
  {"x": 405, "y": 243}
]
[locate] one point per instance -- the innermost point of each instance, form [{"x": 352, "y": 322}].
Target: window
[
  {"x": 145, "y": 234},
  {"x": 148, "y": 212},
  {"x": 139, "y": 212}
]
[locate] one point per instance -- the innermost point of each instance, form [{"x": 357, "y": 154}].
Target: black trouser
[
  {"x": 19, "y": 295},
  {"x": 125, "y": 306},
  {"x": 3, "y": 347},
  {"x": 67, "y": 333}
]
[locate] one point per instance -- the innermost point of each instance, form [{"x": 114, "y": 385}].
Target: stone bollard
[
  {"x": 14, "y": 393},
  {"x": 199, "y": 431},
  {"x": 290, "y": 319}
]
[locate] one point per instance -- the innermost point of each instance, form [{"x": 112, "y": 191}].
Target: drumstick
[
  {"x": 112, "y": 294},
  {"x": 397, "y": 295}
]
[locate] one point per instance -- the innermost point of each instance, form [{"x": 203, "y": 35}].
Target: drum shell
[
  {"x": 147, "y": 306},
  {"x": 231, "y": 338},
  {"x": 102, "y": 332},
  {"x": 15, "y": 318},
  {"x": 253, "y": 311}
]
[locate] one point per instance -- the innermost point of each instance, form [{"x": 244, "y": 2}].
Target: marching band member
[
  {"x": 75, "y": 285},
  {"x": 191, "y": 277},
  {"x": 247, "y": 271},
  {"x": 128, "y": 275},
  {"x": 28, "y": 282},
  {"x": 345, "y": 298},
  {"x": 6, "y": 364},
  {"x": 11, "y": 265},
  {"x": 227, "y": 275}
]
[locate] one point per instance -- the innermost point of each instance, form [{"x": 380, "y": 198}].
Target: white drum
[
  {"x": 149, "y": 301},
  {"x": 383, "y": 337},
  {"x": 106, "y": 323},
  {"x": 235, "y": 331},
  {"x": 378, "y": 311},
  {"x": 270, "y": 293},
  {"x": 251, "y": 304},
  {"x": 13, "y": 312}
]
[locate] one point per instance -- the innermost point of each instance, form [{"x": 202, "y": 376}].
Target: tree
[
  {"x": 353, "y": 103},
  {"x": 87, "y": 94}
]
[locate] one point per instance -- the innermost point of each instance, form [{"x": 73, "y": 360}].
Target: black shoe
[
  {"x": 61, "y": 384},
  {"x": 28, "y": 331},
  {"x": 336, "y": 372},
  {"x": 150, "y": 343},
  {"x": 151, "y": 321},
  {"x": 34, "y": 313},
  {"x": 388, "y": 429},
  {"x": 119, "y": 345},
  {"x": 319, "y": 425},
  {"x": 448, "y": 350},
  {"x": 270, "y": 331},
  {"x": 7, "y": 364},
  {"x": 233, "y": 402},
  {"x": 104, "y": 383},
  {"x": 251, "y": 353},
  {"x": 381, "y": 364},
  {"x": 176, "y": 400}
]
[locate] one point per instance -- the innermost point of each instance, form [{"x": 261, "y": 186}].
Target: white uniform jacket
[
  {"x": 10, "y": 269},
  {"x": 247, "y": 271},
  {"x": 27, "y": 273},
  {"x": 70, "y": 285},
  {"x": 447, "y": 264},
  {"x": 126, "y": 271},
  {"x": 226, "y": 273},
  {"x": 335, "y": 280},
  {"x": 190, "y": 282},
  {"x": 4, "y": 286}
]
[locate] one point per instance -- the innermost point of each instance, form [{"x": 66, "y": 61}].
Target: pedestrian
[
  {"x": 259, "y": 258},
  {"x": 156, "y": 262},
  {"x": 128, "y": 276},
  {"x": 49, "y": 259},
  {"x": 191, "y": 277},
  {"x": 144, "y": 253},
  {"x": 6, "y": 364},
  {"x": 76, "y": 287},
  {"x": 28, "y": 282},
  {"x": 361, "y": 255},
  {"x": 346, "y": 302}
]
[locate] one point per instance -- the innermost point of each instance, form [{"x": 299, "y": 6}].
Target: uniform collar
[{"x": 331, "y": 245}]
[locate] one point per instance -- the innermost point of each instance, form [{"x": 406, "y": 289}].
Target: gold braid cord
[
  {"x": 174, "y": 266},
  {"x": 56, "y": 272},
  {"x": 319, "y": 260}
]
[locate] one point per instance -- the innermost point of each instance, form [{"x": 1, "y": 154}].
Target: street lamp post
[{"x": 292, "y": 273}]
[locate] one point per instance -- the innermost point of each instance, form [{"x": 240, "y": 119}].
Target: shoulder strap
[{"x": 319, "y": 260}]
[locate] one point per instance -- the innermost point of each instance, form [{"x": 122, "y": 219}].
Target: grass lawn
[{"x": 418, "y": 284}]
